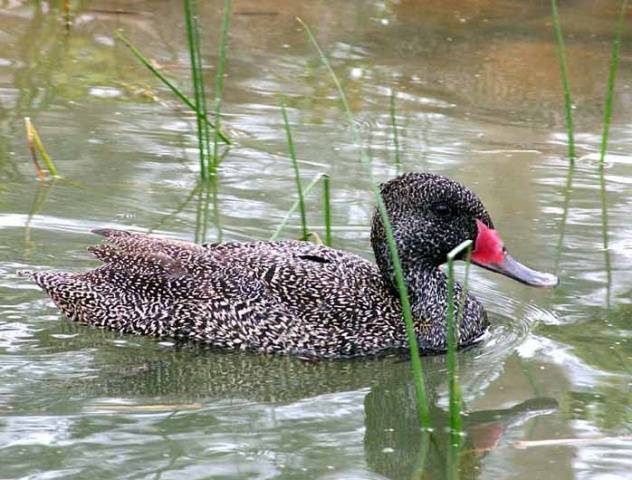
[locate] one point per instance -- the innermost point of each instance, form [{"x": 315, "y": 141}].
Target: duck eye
[{"x": 441, "y": 209}]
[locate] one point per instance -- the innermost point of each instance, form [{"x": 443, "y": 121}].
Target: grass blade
[
  {"x": 168, "y": 83},
  {"x": 219, "y": 78},
  {"x": 422, "y": 403},
  {"x": 568, "y": 102},
  {"x": 568, "y": 189},
  {"x": 297, "y": 175},
  {"x": 398, "y": 160},
  {"x": 327, "y": 209},
  {"x": 199, "y": 95},
  {"x": 452, "y": 323},
  {"x": 36, "y": 145},
  {"x": 607, "y": 117},
  {"x": 294, "y": 207}
]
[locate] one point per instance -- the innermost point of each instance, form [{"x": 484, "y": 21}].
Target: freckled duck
[{"x": 296, "y": 297}]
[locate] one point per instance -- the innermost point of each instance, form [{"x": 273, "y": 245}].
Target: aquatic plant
[
  {"x": 219, "y": 81},
  {"x": 398, "y": 160},
  {"x": 452, "y": 325},
  {"x": 35, "y": 145},
  {"x": 199, "y": 94},
  {"x": 568, "y": 102},
  {"x": 169, "y": 84},
  {"x": 607, "y": 117},
  {"x": 297, "y": 175},
  {"x": 295, "y": 206},
  {"x": 327, "y": 209},
  {"x": 422, "y": 403}
]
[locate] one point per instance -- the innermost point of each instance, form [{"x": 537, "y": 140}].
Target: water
[{"x": 478, "y": 98}]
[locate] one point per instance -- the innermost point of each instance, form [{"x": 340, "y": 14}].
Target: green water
[{"x": 478, "y": 98}]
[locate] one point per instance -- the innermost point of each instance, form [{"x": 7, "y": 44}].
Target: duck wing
[{"x": 292, "y": 297}]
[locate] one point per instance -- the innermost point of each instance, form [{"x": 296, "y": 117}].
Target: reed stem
[
  {"x": 169, "y": 84},
  {"x": 327, "y": 209},
  {"x": 453, "y": 321},
  {"x": 199, "y": 95},
  {"x": 398, "y": 160},
  {"x": 452, "y": 339},
  {"x": 297, "y": 174},
  {"x": 568, "y": 102},
  {"x": 35, "y": 145},
  {"x": 294, "y": 207},
  {"x": 607, "y": 118},
  {"x": 422, "y": 403},
  {"x": 219, "y": 79}
]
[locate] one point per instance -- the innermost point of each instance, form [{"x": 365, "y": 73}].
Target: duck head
[{"x": 430, "y": 216}]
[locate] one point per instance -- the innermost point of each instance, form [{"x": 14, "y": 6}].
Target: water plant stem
[
  {"x": 568, "y": 102},
  {"x": 169, "y": 84},
  {"x": 219, "y": 80},
  {"x": 452, "y": 324},
  {"x": 568, "y": 188},
  {"x": 294, "y": 207},
  {"x": 35, "y": 145},
  {"x": 327, "y": 209},
  {"x": 199, "y": 95},
  {"x": 297, "y": 174},
  {"x": 422, "y": 403},
  {"x": 398, "y": 160},
  {"x": 452, "y": 329},
  {"x": 607, "y": 117}
]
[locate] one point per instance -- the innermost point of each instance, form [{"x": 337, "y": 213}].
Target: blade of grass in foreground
[
  {"x": 398, "y": 160},
  {"x": 219, "y": 79},
  {"x": 297, "y": 174},
  {"x": 168, "y": 83},
  {"x": 422, "y": 404},
  {"x": 199, "y": 95},
  {"x": 36, "y": 145},
  {"x": 327, "y": 209},
  {"x": 568, "y": 102},
  {"x": 294, "y": 207},
  {"x": 607, "y": 117},
  {"x": 452, "y": 323},
  {"x": 568, "y": 188}
]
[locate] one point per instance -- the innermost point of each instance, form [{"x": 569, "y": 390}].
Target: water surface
[{"x": 478, "y": 98}]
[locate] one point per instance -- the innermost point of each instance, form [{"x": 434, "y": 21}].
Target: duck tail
[{"x": 67, "y": 290}]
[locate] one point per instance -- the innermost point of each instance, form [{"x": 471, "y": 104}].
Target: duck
[{"x": 294, "y": 297}]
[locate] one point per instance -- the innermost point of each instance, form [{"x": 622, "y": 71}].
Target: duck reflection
[{"x": 394, "y": 445}]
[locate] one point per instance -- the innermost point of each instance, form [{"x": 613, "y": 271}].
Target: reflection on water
[{"x": 478, "y": 98}]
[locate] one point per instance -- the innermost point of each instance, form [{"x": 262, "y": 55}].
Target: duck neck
[{"x": 428, "y": 295}]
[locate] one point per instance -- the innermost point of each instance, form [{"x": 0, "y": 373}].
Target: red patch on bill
[{"x": 488, "y": 248}]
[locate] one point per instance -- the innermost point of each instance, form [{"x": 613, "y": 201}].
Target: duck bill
[
  {"x": 516, "y": 270},
  {"x": 490, "y": 253}
]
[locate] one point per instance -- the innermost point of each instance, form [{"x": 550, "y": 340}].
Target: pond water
[{"x": 478, "y": 98}]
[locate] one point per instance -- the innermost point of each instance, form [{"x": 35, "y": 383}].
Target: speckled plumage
[{"x": 285, "y": 297}]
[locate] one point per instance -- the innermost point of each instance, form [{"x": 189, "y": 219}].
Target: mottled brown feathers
[{"x": 280, "y": 297}]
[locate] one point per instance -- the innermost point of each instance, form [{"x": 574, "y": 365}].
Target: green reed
[
  {"x": 36, "y": 146},
  {"x": 607, "y": 118},
  {"x": 297, "y": 174},
  {"x": 452, "y": 327},
  {"x": 327, "y": 209},
  {"x": 422, "y": 403},
  {"x": 568, "y": 189},
  {"x": 568, "y": 102},
  {"x": 199, "y": 95},
  {"x": 219, "y": 79},
  {"x": 295, "y": 206},
  {"x": 398, "y": 160},
  {"x": 168, "y": 83}
]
